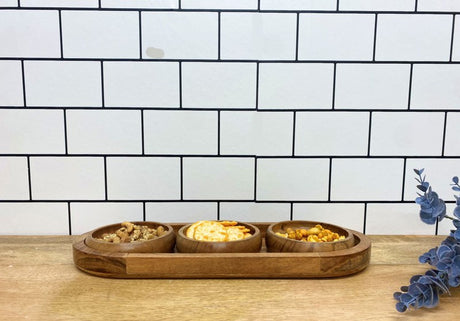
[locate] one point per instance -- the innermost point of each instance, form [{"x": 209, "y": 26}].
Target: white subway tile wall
[
  {"x": 398, "y": 133},
  {"x": 60, "y": 3},
  {"x": 341, "y": 133},
  {"x": 15, "y": 179},
  {"x": 64, "y": 178},
  {"x": 412, "y": 37},
  {"x": 377, "y": 5},
  {"x": 30, "y": 33},
  {"x": 292, "y": 179},
  {"x": 295, "y": 86},
  {"x": 262, "y": 36},
  {"x": 179, "y": 35},
  {"x": 293, "y": 5},
  {"x": 341, "y": 214},
  {"x": 104, "y": 131},
  {"x": 255, "y": 212},
  {"x": 372, "y": 86},
  {"x": 141, "y": 4},
  {"x": 253, "y": 110},
  {"x": 11, "y": 93},
  {"x": 333, "y": 36},
  {"x": 438, "y": 5},
  {"x": 187, "y": 132},
  {"x": 180, "y": 212},
  {"x": 435, "y": 86},
  {"x": 216, "y": 178},
  {"x": 137, "y": 178},
  {"x": 89, "y": 216},
  {"x": 253, "y": 133},
  {"x": 141, "y": 84},
  {"x": 100, "y": 34},
  {"x": 218, "y": 85},
  {"x": 62, "y": 83},
  {"x": 26, "y": 131},
  {"x": 8, "y": 3}
]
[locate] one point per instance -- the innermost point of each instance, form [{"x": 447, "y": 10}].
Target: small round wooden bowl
[
  {"x": 253, "y": 243},
  {"x": 276, "y": 243},
  {"x": 162, "y": 244}
]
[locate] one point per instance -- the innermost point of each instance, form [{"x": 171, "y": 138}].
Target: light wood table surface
[{"x": 38, "y": 281}]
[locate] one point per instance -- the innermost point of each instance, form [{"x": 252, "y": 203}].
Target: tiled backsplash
[{"x": 266, "y": 110}]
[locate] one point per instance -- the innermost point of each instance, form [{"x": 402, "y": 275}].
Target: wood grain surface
[{"x": 39, "y": 281}]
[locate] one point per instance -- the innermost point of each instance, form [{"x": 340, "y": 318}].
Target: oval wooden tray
[{"x": 224, "y": 265}]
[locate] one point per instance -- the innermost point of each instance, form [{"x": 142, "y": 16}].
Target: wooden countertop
[{"x": 38, "y": 281}]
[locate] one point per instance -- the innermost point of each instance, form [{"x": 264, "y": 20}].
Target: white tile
[
  {"x": 86, "y": 217},
  {"x": 327, "y": 133},
  {"x": 435, "y": 87},
  {"x": 350, "y": 216},
  {"x": 336, "y": 36},
  {"x": 8, "y": 3},
  {"x": 369, "y": 86},
  {"x": 438, "y": 5},
  {"x": 298, "y": 4},
  {"x": 100, "y": 34},
  {"x": 180, "y": 212},
  {"x": 219, "y": 4},
  {"x": 456, "y": 42},
  {"x": 394, "y": 219},
  {"x": 292, "y": 179},
  {"x": 219, "y": 85},
  {"x": 63, "y": 83},
  {"x": 218, "y": 178},
  {"x": 262, "y": 36},
  {"x": 141, "y": 84},
  {"x": 377, "y": 5},
  {"x": 149, "y": 178},
  {"x": 64, "y": 178},
  {"x": 179, "y": 35},
  {"x": 144, "y": 4},
  {"x": 366, "y": 179},
  {"x": 29, "y": 33},
  {"x": 452, "y": 144},
  {"x": 60, "y": 3},
  {"x": 439, "y": 173},
  {"x": 403, "y": 37},
  {"x": 34, "y": 219},
  {"x": 11, "y": 93},
  {"x": 256, "y": 133},
  {"x": 14, "y": 184},
  {"x": 406, "y": 133},
  {"x": 180, "y": 132},
  {"x": 446, "y": 225},
  {"x": 255, "y": 212},
  {"x": 32, "y": 131},
  {"x": 104, "y": 131},
  {"x": 295, "y": 86}
]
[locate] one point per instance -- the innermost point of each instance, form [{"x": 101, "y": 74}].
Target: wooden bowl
[
  {"x": 277, "y": 243},
  {"x": 253, "y": 243},
  {"x": 162, "y": 244}
]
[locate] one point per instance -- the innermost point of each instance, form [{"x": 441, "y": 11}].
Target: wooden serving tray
[{"x": 224, "y": 265}]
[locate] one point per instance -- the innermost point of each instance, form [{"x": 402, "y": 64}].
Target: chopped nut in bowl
[{"x": 133, "y": 237}]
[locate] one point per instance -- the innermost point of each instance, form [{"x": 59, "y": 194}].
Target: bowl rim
[
  {"x": 180, "y": 233},
  {"x": 134, "y": 243},
  {"x": 272, "y": 233}
]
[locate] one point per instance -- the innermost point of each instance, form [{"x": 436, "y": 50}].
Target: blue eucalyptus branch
[{"x": 424, "y": 290}]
